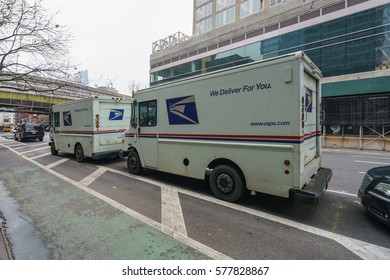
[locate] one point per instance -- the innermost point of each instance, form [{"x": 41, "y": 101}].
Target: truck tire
[
  {"x": 134, "y": 163},
  {"x": 53, "y": 150},
  {"x": 226, "y": 183},
  {"x": 79, "y": 153}
]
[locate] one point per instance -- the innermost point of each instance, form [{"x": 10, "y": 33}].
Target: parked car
[
  {"x": 374, "y": 193},
  {"x": 6, "y": 129},
  {"x": 29, "y": 131}
]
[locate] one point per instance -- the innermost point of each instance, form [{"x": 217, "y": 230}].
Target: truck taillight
[
  {"x": 97, "y": 121},
  {"x": 303, "y": 112}
]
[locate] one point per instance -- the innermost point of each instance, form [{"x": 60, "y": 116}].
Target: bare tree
[{"x": 34, "y": 49}]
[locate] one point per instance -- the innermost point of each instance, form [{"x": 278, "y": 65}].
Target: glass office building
[{"x": 352, "y": 51}]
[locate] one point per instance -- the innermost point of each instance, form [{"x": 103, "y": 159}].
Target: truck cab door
[
  {"x": 147, "y": 133},
  {"x": 55, "y": 129}
]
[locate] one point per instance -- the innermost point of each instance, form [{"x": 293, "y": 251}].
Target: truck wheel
[
  {"x": 134, "y": 163},
  {"x": 226, "y": 183},
  {"x": 53, "y": 150},
  {"x": 79, "y": 153}
]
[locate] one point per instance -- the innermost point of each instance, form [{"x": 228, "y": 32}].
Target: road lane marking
[
  {"x": 43, "y": 155},
  {"x": 93, "y": 176},
  {"x": 13, "y": 145},
  {"x": 362, "y": 249},
  {"x": 344, "y": 193},
  {"x": 30, "y": 151},
  {"x": 372, "y": 162},
  {"x": 39, "y": 144},
  {"x": 24, "y": 146},
  {"x": 376, "y": 157},
  {"x": 171, "y": 212},
  {"x": 58, "y": 162},
  {"x": 210, "y": 252}
]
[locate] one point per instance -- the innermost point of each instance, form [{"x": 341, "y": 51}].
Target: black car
[
  {"x": 29, "y": 131},
  {"x": 374, "y": 193}
]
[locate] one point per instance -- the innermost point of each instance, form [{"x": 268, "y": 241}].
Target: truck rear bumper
[
  {"x": 313, "y": 190},
  {"x": 106, "y": 154}
]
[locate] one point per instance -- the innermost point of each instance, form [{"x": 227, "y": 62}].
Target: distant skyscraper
[{"x": 81, "y": 77}]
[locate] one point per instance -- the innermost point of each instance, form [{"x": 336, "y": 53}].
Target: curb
[{"x": 5, "y": 250}]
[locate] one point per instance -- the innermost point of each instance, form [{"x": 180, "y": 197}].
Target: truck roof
[{"x": 102, "y": 98}]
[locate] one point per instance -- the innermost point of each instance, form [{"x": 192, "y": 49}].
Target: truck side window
[
  {"x": 148, "y": 113},
  {"x": 56, "y": 119}
]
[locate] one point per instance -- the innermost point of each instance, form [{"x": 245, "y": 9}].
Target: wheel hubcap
[
  {"x": 133, "y": 163},
  {"x": 225, "y": 183}
]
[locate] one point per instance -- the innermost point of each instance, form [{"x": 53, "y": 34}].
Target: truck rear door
[{"x": 310, "y": 119}]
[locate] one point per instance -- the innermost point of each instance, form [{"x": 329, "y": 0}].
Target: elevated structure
[{"x": 19, "y": 101}]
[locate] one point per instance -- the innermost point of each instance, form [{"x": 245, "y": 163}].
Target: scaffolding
[
  {"x": 361, "y": 122},
  {"x": 169, "y": 41}
]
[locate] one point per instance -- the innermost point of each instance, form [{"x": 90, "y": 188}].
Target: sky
[{"x": 113, "y": 38}]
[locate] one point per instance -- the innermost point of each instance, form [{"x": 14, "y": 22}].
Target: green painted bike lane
[{"x": 73, "y": 224}]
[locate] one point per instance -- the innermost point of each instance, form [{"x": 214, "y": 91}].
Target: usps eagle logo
[
  {"x": 116, "y": 114},
  {"x": 182, "y": 110},
  {"x": 309, "y": 100},
  {"x": 67, "y": 118}
]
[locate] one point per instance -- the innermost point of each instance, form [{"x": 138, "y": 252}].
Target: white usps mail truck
[
  {"x": 253, "y": 127},
  {"x": 90, "y": 127}
]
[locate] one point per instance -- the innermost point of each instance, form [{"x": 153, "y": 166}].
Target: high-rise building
[
  {"x": 81, "y": 77},
  {"x": 349, "y": 40}
]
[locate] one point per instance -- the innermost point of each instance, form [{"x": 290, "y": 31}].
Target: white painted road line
[
  {"x": 372, "y": 162},
  {"x": 177, "y": 235},
  {"x": 30, "y": 151},
  {"x": 58, "y": 162},
  {"x": 46, "y": 154},
  {"x": 17, "y": 145},
  {"x": 24, "y": 146},
  {"x": 92, "y": 177},
  {"x": 376, "y": 157},
  {"x": 344, "y": 193},
  {"x": 171, "y": 212},
  {"x": 362, "y": 249}
]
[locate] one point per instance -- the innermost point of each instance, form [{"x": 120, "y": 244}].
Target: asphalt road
[{"x": 97, "y": 210}]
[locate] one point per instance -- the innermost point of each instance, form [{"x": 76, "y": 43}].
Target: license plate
[{"x": 33, "y": 132}]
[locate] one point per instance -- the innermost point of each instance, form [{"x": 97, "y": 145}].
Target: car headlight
[{"x": 384, "y": 188}]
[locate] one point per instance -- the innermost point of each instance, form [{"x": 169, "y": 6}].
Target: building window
[
  {"x": 276, "y": 2},
  {"x": 225, "y": 17},
  {"x": 222, "y": 4},
  {"x": 204, "y": 11},
  {"x": 200, "y": 2},
  {"x": 204, "y": 26},
  {"x": 250, "y": 7}
]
